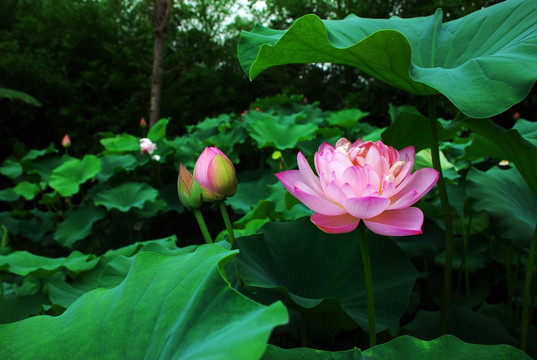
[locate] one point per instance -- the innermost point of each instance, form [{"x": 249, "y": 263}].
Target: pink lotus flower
[
  {"x": 365, "y": 180},
  {"x": 66, "y": 142},
  {"x": 216, "y": 174},
  {"x": 147, "y": 146}
]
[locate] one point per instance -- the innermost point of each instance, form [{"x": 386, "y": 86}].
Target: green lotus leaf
[
  {"x": 528, "y": 130},
  {"x": 466, "y": 324},
  {"x": 483, "y": 62},
  {"x": 346, "y": 118},
  {"x": 11, "y": 169},
  {"x": 187, "y": 150},
  {"x": 277, "y": 353},
  {"x": 110, "y": 164},
  {"x": 412, "y": 128},
  {"x": 250, "y": 190},
  {"x": 225, "y": 141},
  {"x": 151, "y": 208},
  {"x": 67, "y": 178},
  {"x": 19, "y": 95},
  {"x": 111, "y": 270},
  {"x": 126, "y": 196},
  {"x": 168, "y": 307},
  {"x": 510, "y": 145},
  {"x": 35, "y": 224},
  {"x": 270, "y": 133},
  {"x": 45, "y": 165},
  {"x": 9, "y": 195},
  {"x": 121, "y": 143},
  {"x": 447, "y": 347},
  {"x": 78, "y": 224},
  {"x": 34, "y": 154},
  {"x": 21, "y": 301},
  {"x": 27, "y": 190},
  {"x": 24, "y": 263},
  {"x": 509, "y": 200},
  {"x": 158, "y": 131},
  {"x": 323, "y": 273}
]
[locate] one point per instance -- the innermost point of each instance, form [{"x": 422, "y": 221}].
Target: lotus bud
[
  {"x": 188, "y": 189},
  {"x": 216, "y": 174},
  {"x": 66, "y": 142},
  {"x": 143, "y": 123}
]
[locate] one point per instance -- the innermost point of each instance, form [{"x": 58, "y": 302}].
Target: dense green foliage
[{"x": 131, "y": 197}]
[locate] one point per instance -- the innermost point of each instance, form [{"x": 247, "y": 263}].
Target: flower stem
[
  {"x": 203, "y": 227},
  {"x": 368, "y": 284},
  {"x": 526, "y": 308},
  {"x": 448, "y": 221},
  {"x": 227, "y": 222}
]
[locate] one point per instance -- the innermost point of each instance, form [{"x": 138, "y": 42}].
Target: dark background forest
[{"x": 89, "y": 64}]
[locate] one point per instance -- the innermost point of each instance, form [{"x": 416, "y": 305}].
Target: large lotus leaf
[
  {"x": 168, "y": 307},
  {"x": 67, "y": 178},
  {"x": 447, "y": 347},
  {"x": 509, "y": 200},
  {"x": 78, "y": 224},
  {"x": 111, "y": 270},
  {"x": 511, "y": 145},
  {"x": 270, "y": 133},
  {"x": 323, "y": 273},
  {"x": 466, "y": 324},
  {"x": 277, "y": 353},
  {"x": 24, "y": 263},
  {"x": 484, "y": 62},
  {"x": 126, "y": 196}
]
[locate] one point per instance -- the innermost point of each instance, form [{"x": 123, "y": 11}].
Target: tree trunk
[{"x": 161, "y": 11}]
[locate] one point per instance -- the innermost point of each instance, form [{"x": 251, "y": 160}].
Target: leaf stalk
[
  {"x": 368, "y": 284},
  {"x": 448, "y": 221}
]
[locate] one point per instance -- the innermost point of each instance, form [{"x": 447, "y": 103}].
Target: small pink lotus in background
[
  {"x": 143, "y": 123},
  {"x": 147, "y": 146},
  {"x": 516, "y": 116},
  {"x": 66, "y": 142},
  {"x": 216, "y": 174},
  {"x": 365, "y": 180}
]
